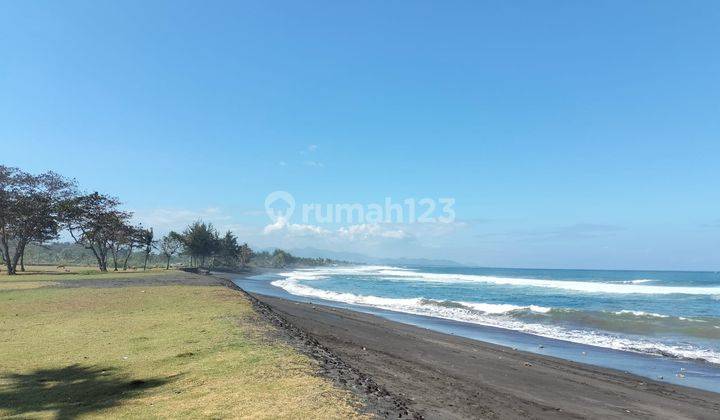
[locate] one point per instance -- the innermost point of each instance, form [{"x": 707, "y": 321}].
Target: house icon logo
[{"x": 279, "y": 205}]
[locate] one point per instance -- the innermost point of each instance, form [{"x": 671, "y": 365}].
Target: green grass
[
  {"x": 38, "y": 276},
  {"x": 151, "y": 352}
]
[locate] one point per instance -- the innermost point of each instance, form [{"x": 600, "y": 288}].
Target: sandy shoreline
[{"x": 445, "y": 376}]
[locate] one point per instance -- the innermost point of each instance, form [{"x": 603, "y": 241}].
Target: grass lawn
[
  {"x": 150, "y": 351},
  {"x": 48, "y": 273}
]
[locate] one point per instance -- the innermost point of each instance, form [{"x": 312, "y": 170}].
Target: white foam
[
  {"x": 638, "y": 281},
  {"x": 641, "y": 313},
  {"x": 502, "y": 308},
  {"x": 682, "y": 318},
  {"x": 496, "y": 315},
  {"x": 577, "y": 286},
  {"x": 324, "y": 272}
]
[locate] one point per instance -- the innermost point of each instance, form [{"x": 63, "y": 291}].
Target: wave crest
[
  {"x": 632, "y": 287},
  {"x": 498, "y": 315}
]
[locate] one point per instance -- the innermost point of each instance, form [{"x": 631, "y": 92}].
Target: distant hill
[{"x": 309, "y": 252}]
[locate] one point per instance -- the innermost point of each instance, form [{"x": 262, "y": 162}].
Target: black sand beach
[{"x": 444, "y": 376}]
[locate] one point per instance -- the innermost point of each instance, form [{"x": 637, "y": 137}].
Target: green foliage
[
  {"x": 96, "y": 222},
  {"x": 228, "y": 254},
  {"x": 30, "y": 207},
  {"x": 170, "y": 245},
  {"x": 245, "y": 254},
  {"x": 200, "y": 241},
  {"x": 148, "y": 242},
  {"x": 280, "y": 259},
  {"x": 34, "y": 209}
]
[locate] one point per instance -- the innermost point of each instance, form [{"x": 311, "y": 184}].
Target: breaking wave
[
  {"x": 630, "y": 287},
  {"x": 556, "y": 323}
]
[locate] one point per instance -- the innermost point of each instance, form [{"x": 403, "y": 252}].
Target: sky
[{"x": 569, "y": 134}]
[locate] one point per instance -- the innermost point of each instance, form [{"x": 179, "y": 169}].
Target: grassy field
[
  {"x": 149, "y": 351},
  {"x": 48, "y": 273}
]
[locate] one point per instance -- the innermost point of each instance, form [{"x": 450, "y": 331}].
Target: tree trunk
[
  {"x": 101, "y": 256},
  {"x": 97, "y": 256},
  {"x": 127, "y": 257},
  {"x": 19, "y": 249},
  {"x": 10, "y": 269},
  {"x": 104, "y": 260},
  {"x": 113, "y": 251},
  {"x": 22, "y": 260},
  {"x": 6, "y": 256},
  {"x": 147, "y": 254},
  {"x": 167, "y": 267}
]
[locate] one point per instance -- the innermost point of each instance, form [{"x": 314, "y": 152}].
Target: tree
[
  {"x": 133, "y": 239},
  {"x": 281, "y": 258},
  {"x": 170, "y": 245},
  {"x": 245, "y": 254},
  {"x": 228, "y": 254},
  {"x": 92, "y": 221},
  {"x": 120, "y": 234},
  {"x": 200, "y": 241},
  {"x": 22, "y": 259},
  {"x": 147, "y": 241},
  {"x": 29, "y": 210}
]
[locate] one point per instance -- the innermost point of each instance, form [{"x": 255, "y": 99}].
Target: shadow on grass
[{"x": 70, "y": 391}]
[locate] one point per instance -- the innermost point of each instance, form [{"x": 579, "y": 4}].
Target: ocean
[{"x": 660, "y": 324}]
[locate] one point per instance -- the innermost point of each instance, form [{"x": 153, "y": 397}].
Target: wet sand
[{"x": 445, "y": 376}]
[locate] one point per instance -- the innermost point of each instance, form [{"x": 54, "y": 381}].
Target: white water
[
  {"x": 498, "y": 314},
  {"x": 634, "y": 286}
]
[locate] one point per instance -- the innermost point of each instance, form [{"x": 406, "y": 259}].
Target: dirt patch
[{"x": 23, "y": 285}]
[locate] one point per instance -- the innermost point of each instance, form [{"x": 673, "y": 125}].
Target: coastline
[
  {"x": 377, "y": 400},
  {"x": 433, "y": 374},
  {"x": 653, "y": 364}
]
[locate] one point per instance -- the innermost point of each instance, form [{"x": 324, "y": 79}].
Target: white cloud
[
  {"x": 344, "y": 234},
  {"x": 281, "y": 225},
  {"x": 367, "y": 231},
  {"x": 164, "y": 219},
  {"x": 311, "y": 149}
]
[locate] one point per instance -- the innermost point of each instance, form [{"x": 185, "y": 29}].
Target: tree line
[
  {"x": 206, "y": 248},
  {"x": 35, "y": 209}
]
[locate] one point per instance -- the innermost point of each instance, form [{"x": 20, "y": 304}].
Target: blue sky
[{"x": 571, "y": 134}]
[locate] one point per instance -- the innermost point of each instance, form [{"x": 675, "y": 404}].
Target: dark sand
[{"x": 445, "y": 376}]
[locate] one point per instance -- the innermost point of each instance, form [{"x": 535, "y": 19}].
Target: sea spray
[{"x": 622, "y": 329}]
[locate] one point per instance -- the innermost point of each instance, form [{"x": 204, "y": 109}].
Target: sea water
[{"x": 666, "y": 323}]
